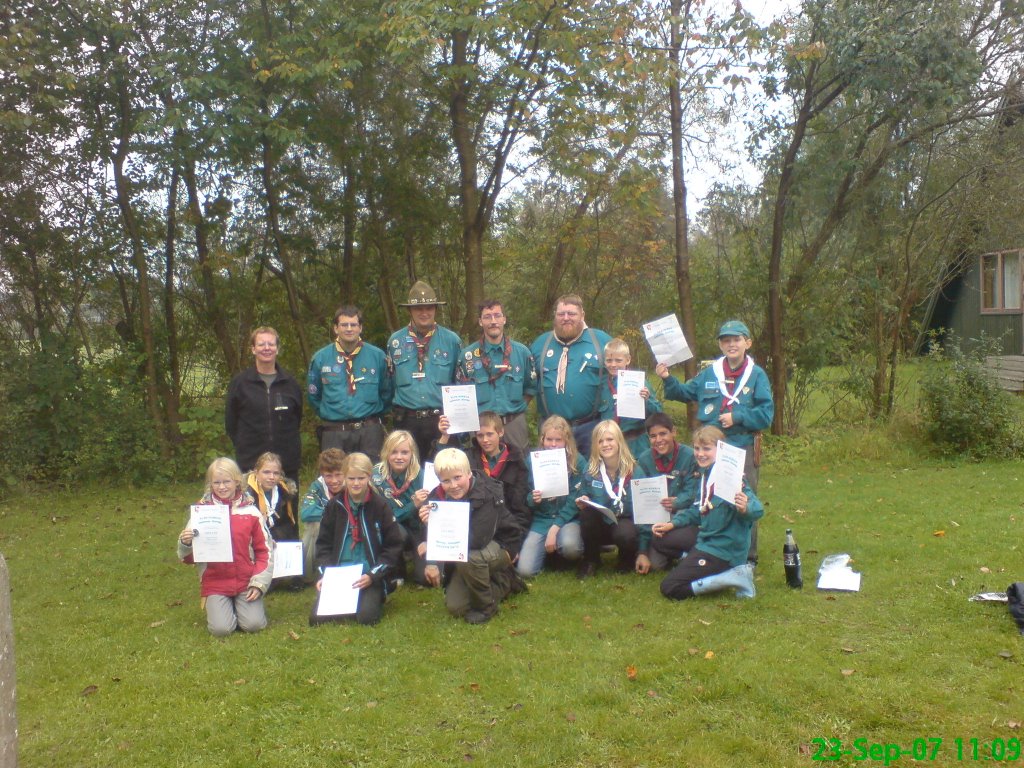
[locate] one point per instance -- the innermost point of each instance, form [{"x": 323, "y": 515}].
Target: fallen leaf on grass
[
  {"x": 631, "y": 672},
  {"x": 311, "y": 681},
  {"x": 517, "y": 632},
  {"x": 844, "y": 649},
  {"x": 497, "y": 648},
  {"x": 89, "y": 690},
  {"x": 156, "y": 624},
  {"x": 516, "y": 707},
  {"x": 474, "y": 687},
  {"x": 705, "y": 623},
  {"x": 467, "y": 757},
  {"x": 787, "y": 518},
  {"x": 240, "y": 681},
  {"x": 938, "y": 533},
  {"x": 709, "y": 655},
  {"x": 571, "y": 717},
  {"x": 954, "y": 523},
  {"x": 293, "y": 634},
  {"x": 693, "y": 651},
  {"x": 173, "y": 603},
  {"x": 652, "y": 694},
  {"x": 804, "y": 749},
  {"x": 985, "y": 569},
  {"x": 847, "y": 672},
  {"x": 1013, "y": 725},
  {"x": 831, "y": 597},
  {"x": 1005, "y": 655},
  {"x": 371, "y": 704},
  {"x": 638, "y": 626}
]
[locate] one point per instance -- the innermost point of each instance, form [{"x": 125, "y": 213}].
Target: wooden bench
[{"x": 1008, "y": 370}]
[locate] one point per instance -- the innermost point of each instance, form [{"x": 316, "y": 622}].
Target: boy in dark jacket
[
  {"x": 358, "y": 528},
  {"x": 474, "y": 588}
]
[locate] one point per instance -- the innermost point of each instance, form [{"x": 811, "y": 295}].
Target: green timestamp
[{"x": 921, "y": 749}]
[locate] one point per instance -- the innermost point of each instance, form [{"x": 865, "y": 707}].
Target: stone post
[{"x": 8, "y": 714}]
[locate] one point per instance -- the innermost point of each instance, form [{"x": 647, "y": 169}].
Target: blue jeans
[{"x": 568, "y": 543}]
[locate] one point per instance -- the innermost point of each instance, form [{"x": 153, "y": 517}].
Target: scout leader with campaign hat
[
  {"x": 423, "y": 356},
  {"x": 732, "y": 394}
]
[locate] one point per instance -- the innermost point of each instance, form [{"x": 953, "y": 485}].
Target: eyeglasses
[
  {"x": 567, "y": 314},
  {"x": 495, "y": 316}
]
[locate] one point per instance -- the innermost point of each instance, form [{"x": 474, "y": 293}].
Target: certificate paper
[
  {"x": 667, "y": 341},
  {"x": 628, "y": 403},
  {"x": 287, "y": 559},
  {"x": 211, "y": 533},
  {"x": 337, "y": 595},
  {"x": 550, "y": 473},
  {"x": 459, "y": 403},
  {"x": 430, "y": 481},
  {"x": 609, "y": 514},
  {"x": 727, "y": 474},
  {"x": 448, "y": 531},
  {"x": 647, "y": 493}
]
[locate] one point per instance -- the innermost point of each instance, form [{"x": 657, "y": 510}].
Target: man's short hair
[
  {"x": 570, "y": 298},
  {"x": 487, "y": 304},
  {"x": 451, "y": 460},
  {"x": 263, "y": 329},
  {"x": 660, "y": 419},
  {"x": 349, "y": 310},
  {"x": 331, "y": 460}
]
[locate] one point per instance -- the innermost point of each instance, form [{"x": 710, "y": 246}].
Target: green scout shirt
[
  {"x": 327, "y": 384},
  {"x": 508, "y": 392},
  {"x": 415, "y": 389}
]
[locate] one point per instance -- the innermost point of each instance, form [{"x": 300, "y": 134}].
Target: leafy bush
[
  {"x": 965, "y": 411},
  {"x": 65, "y": 421}
]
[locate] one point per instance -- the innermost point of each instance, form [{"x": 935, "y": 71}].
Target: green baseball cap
[{"x": 733, "y": 328}]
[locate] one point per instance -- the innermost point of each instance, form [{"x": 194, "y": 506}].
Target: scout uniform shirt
[
  {"x": 582, "y": 375},
  {"x": 749, "y": 401},
  {"x": 344, "y": 390},
  {"x": 503, "y": 374},
  {"x": 679, "y": 467},
  {"x": 419, "y": 374}
]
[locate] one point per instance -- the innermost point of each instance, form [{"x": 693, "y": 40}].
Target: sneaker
[
  {"x": 585, "y": 570},
  {"x": 394, "y": 585},
  {"x": 480, "y": 617}
]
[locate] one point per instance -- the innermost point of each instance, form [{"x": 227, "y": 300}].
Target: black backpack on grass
[{"x": 1015, "y": 602}]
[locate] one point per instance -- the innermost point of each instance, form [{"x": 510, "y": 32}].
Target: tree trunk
[
  {"x": 172, "y": 398},
  {"x": 681, "y": 229},
  {"x": 125, "y": 123},
  {"x": 8, "y": 691}
]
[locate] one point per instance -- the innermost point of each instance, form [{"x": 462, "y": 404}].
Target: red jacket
[{"x": 252, "y": 552}]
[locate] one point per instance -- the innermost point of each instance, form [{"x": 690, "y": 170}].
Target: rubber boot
[{"x": 741, "y": 577}]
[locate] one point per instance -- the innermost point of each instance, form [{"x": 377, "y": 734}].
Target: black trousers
[
  {"x": 369, "y": 610},
  {"x": 596, "y": 532},
  {"x": 678, "y": 585},
  {"x": 424, "y": 429}
]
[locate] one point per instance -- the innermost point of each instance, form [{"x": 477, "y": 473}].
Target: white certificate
[
  {"x": 550, "y": 473},
  {"x": 647, "y": 493},
  {"x": 448, "y": 531},
  {"x": 430, "y": 481},
  {"x": 459, "y": 403},
  {"x": 666, "y": 339},
  {"x": 337, "y": 595},
  {"x": 608, "y": 513},
  {"x": 287, "y": 559},
  {"x": 727, "y": 474},
  {"x": 211, "y": 533},
  {"x": 628, "y": 403}
]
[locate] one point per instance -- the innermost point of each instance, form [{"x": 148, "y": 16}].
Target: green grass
[{"x": 100, "y": 600}]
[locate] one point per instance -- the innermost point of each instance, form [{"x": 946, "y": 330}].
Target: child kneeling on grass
[
  {"x": 718, "y": 560},
  {"x": 474, "y": 588},
  {"x": 232, "y": 593},
  {"x": 358, "y": 528}
]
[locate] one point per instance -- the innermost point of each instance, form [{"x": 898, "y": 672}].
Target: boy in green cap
[{"x": 733, "y": 394}]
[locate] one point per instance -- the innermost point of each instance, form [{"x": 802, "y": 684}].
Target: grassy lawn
[{"x": 115, "y": 667}]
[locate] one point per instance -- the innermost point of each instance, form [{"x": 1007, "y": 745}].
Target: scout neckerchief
[
  {"x": 353, "y": 525},
  {"x": 666, "y": 467},
  {"x": 350, "y": 359},
  {"x": 719, "y": 369},
  {"x": 499, "y": 464},
  {"x": 395, "y": 490},
  {"x": 421, "y": 342},
  {"x": 506, "y": 359},
  {"x": 563, "y": 362},
  {"x": 614, "y": 493},
  {"x": 706, "y": 493}
]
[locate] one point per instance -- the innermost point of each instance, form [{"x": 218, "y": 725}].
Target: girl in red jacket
[{"x": 232, "y": 592}]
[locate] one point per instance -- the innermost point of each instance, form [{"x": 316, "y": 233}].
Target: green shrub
[{"x": 964, "y": 410}]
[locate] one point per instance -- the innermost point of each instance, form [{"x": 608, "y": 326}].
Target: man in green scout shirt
[
  {"x": 350, "y": 386},
  {"x": 568, "y": 360},
  {"x": 423, "y": 356},
  {"x": 502, "y": 371}
]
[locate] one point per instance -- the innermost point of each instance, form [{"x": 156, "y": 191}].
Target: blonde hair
[
  {"x": 709, "y": 434},
  {"x": 358, "y": 463},
  {"x": 617, "y": 345},
  {"x": 267, "y": 458},
  {"x": 263, "y": 329},
  {"x": 451, "y": 460},
  {"x": 228, "y": 467},
  {"x": 391, "y": 442},
  {"x": 561, "y": 426},
  {"x": 626, "y": 461}
]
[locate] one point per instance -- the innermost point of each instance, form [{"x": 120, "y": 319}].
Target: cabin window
[{"x": 1001, "y": 281}]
